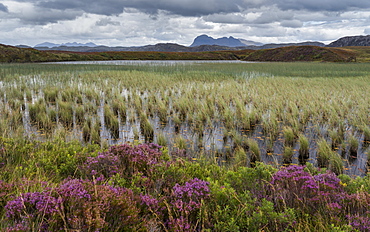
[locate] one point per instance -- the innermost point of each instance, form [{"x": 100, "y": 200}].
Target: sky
[{"x": 143, "y": 22}]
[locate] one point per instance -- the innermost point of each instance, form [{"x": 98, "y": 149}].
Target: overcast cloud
[{"x": 141, "y": 22}]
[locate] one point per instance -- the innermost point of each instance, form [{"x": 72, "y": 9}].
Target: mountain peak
[
  {"x": 360, "y": 40},
  {"x": 224, "y": 41},
  {"x": 73, "y": 44}
]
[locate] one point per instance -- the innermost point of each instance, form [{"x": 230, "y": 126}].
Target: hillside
[
  {"x": 351, "y": 41},
  {"x": 302, "y": 53},
  {"x": 10, "y": 54}
]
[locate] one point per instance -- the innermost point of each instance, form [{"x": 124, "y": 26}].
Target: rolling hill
[{"x": 10, "y": 54}]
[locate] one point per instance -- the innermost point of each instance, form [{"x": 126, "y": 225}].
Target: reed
[
  {"x": 366, "y": 130},
  {"x": 336, "y": 163},
  {"x": 86, "y": 131},
  {"x": 288, "y": 155},
  {"x": 240, "y": 158},
  {"x": 65, "y": 113},
  {"x": 119, "y": 108},
  {"x": 303, "y": 149},
  {"x": 180, "y": 142},
  {"x": 51, "y": 94},
  {"x": 289, "y": 136},
  {"x": 146, "y": 128},
  {"x": 111, "y": 121},
  {"x": 353, "y": 146},
  {"x": 95, "y": 133},
  {"x": 324, "y": 153},
  {"x": 162, "y": 140},
  {"x": 336, "y": 138},
  {"x": 254, "y": 151},
  {"x": 79, "y": 112}
]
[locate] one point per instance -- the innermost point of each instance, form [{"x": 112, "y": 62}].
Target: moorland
[{"x": 265, "y": 146}]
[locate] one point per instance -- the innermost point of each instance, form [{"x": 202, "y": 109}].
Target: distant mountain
[
  {"x": 74, "y": 44},
  {"x": 161, "y": 47},
  {"x": 23, "y": 46},
  {"x": 224, "y": 41},
  {"x": 250, "y": 42},
  {"x": 351, "y": 41}
]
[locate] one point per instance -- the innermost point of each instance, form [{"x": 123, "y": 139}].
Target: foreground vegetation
[
  {"x": 262, "y": 146},
  {"x": 58, "y": 186}
]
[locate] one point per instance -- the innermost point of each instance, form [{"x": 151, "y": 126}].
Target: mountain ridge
[{"x": 359, "y": 40}]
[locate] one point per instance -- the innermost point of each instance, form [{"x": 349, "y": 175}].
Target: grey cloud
[
  {"x": 42, "y": 17},
  {"x": 107, "y": 21},
  {"x": 107, "y": 7},
  {"x": 3, "y": 8},
  {"x": 218, "y": 11},
  {"x": 226, "y": 18},
  {"x": 291, "y": 23},
  {"x": 274, "y": 16},
  {"x": 180, "y": 7},
  {"x": 322, "y": 5}
]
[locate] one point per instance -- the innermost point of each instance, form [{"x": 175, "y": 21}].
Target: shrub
[{"x": 75, "y": 205}]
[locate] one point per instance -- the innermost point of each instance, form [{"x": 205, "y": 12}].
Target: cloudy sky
[{"x": 142, "y": 22}]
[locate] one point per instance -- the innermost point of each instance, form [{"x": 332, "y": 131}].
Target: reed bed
[{"x": 277, "y": 107}]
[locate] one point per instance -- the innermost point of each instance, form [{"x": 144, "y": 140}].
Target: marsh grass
[
  {"x": 240, "y": 158},
  {"x": 254, "y": 151},
  {"x": 95, "y": 133},
  {"x": 119, "y": 108},
  {"x": 324, "y": 153},
  {"x": 162, "y": 140},
  {"x": 288, "y": 155},
  {"x": 275, "y": 98},
  {"x": 146, "y": 128},
  {"x": 336, "y": 163},
  {"x": 303, "y": 149},
  {"x": 111, "y": 121},
  {"x": 79, "y": 112},
  {"x": 289, "y": 136},
  {"x": 366, "y": 130},
  {"x": 353, "y": 146},
  {"x": 65, "y": 113},
  {"x": 180, "y": 142},
  {"x": 336, "y": 138}
]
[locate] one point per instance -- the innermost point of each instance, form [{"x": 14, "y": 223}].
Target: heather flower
[
  {"x": 31, "y": 207},
  {"x": 180, "y": 224},
  {"x": 123, "y": 159},
  {"x": 5, "y": 192},
  {"x": 294, "y": 187},
  {"x": 73, "y": 189},
  {"x": 103, "y": 166},
  {"x": 31, "y": 203},
  {"x": 360, "y": 223}
]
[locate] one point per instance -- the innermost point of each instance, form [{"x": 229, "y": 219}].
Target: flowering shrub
[
  {"x": 360, "y": 223},
  {"x": 294, "y": 187},
  {"x": 5, "y": 193},
  {"x": 180, "y": 209},
  {"x": 103, "y": 166},
  {"x": 124, "y": 159},
  {"x": 74, "y": 205},
  {"x": 32, "y": 207}
]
